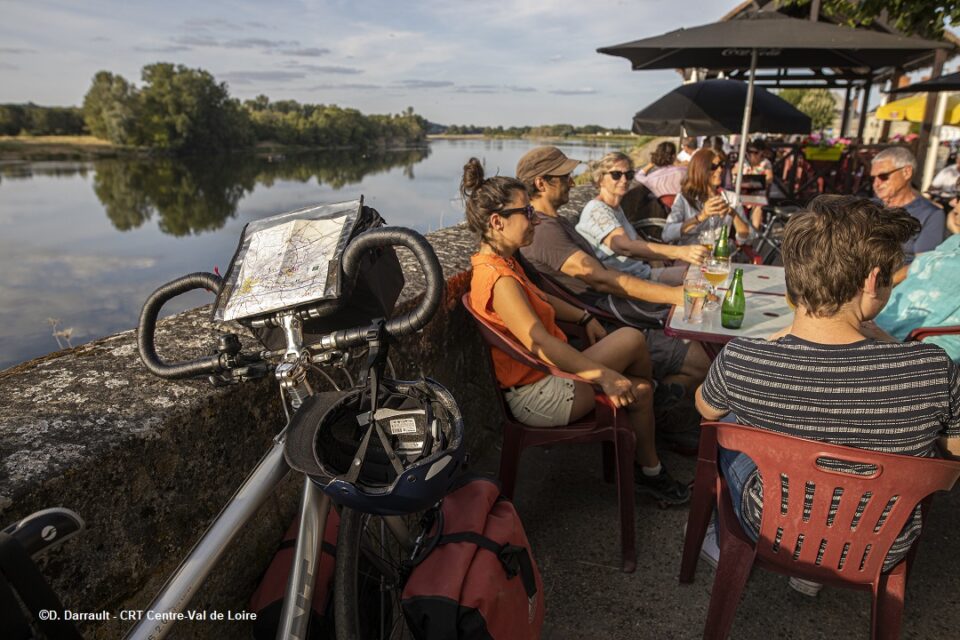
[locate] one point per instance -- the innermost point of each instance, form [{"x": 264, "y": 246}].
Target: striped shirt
[{"x": 889, "y": 397}]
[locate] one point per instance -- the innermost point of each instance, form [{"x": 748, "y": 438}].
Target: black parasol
[
  {"x": 949, "y": 82},
  {"x": 716, "y": 107},
  {"x": 780, "y": 41},
  {"x": 767, "y": 39}
]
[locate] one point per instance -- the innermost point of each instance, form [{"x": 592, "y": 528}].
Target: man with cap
[{"x": 565, "y": 256}]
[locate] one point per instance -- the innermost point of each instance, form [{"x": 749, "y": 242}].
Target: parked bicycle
[{"x": 381, "y": 452}]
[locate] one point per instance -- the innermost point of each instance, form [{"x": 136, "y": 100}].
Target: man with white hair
[{"x": 890, "y": 172}]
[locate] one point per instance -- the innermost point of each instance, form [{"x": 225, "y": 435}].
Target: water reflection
[{"x": 199, "y": 194}]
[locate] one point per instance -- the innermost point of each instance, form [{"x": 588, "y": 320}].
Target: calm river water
[{"x": 84, "y": 243}]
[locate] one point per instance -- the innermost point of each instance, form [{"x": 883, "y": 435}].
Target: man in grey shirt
[{"x": 891, "y": 172}]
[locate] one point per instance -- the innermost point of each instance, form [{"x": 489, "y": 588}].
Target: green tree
[
  {"x": 110, "y": 108},
  {"x": 13, "y": 119},
  {"x": 924, "y": 18},
  {"x": 187, "y": 111},
  {"x": 819, "y": 104}
]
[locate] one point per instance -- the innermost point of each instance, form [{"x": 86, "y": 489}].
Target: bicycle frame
[
  {"x": 184, "y": 583},
  {"x": 258, "y": 486},
  {"x": 227, "y": 365}
]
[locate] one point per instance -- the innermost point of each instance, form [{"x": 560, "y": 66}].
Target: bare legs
[{"x": 625, "y": 350}]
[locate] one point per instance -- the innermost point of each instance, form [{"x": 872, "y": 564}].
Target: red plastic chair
[
  {"x": 922, "y": 333},
  {"x": 801, "y": 538},
  {"x": 605, "y": 424}
]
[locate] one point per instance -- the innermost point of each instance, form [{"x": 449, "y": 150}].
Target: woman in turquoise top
[{"x": 930, "y": 295}]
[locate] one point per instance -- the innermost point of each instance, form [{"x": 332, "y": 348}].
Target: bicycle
[{"x": 377, "y": 540}]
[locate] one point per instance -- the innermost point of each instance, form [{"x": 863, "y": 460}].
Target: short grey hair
[
  {"x": 899, "y": 156},
  {"x": 604, "y": 164}
]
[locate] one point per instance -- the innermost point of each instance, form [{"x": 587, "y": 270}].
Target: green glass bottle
[
  {"x": 722, "y": 248},
  {"x": 734, "y": 303}
]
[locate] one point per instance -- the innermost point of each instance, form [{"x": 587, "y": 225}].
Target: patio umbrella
[
  {"x": 716, "y": 106},
  {"x": 767, "y": 39},
  {"x": 912, "y": 109},
  {"x": 949, "y": 82}
]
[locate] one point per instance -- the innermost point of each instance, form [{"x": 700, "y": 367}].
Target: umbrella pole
[{"x": 745, "y": 129}]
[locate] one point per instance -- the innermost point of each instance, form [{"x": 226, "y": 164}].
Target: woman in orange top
[{"x": 498, "y": 210}]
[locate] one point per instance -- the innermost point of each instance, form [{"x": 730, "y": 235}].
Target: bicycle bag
[
  {"x": 476, "y": 578},
  {"x": 267, "y": 600}
]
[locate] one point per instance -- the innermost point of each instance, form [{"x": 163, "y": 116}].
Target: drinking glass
[
  {"x": 715, "y": 270},
  {"x": 707, "y": 238},
  {"x": 694, "y": 297}
]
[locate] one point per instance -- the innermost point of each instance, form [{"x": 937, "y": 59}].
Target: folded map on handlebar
[{"x": 292, "y": 261}]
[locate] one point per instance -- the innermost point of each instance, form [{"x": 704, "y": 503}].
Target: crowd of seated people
[{"x": 601, "y": 262}]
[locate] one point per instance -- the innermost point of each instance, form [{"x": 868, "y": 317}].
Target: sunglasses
[
  {"x": 562, "y": 178},
  {"x": 528, "y": 211},
  {"x": 616, "y": 175},
  {"x": 715, "y": 165},
  {"x": 883, "y": 177}
]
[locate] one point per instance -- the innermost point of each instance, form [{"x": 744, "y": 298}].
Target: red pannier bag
[
  {"x": 476, "y": 578},
  {"x": 267, "y": 600}
]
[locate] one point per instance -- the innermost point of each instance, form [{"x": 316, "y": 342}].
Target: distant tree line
[
  {"x": 31, "y": 119},
  {"x": 186, "y": 111},
  {"x": 541, "y": 131}
]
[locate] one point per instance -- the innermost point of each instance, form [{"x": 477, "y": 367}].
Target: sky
[{"x": 492, "y": 62}]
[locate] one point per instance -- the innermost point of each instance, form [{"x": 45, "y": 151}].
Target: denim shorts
[{"x": 544, "y": 403}]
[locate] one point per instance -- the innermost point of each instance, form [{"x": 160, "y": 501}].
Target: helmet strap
[{"x": 378, "y": 342}]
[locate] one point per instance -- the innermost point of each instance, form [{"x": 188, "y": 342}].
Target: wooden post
[
  {"x": 894, "y": 84},
  {"x": 815, "y": 10},
  {"x": 846, "y": 112},
  {"x": 863, "y": 110},
  {"x": 926, "y": 128}
]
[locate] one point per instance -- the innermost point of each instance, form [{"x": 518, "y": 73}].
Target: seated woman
[
  {"x": 929, "y": 296},
  {"x": 702, "y": 204},
  {"x": 662, "y": 175},
  {"x": 616, "y": 243},
  {"x": 826, "y": 377},
  {"x": 498, "y": 210}
]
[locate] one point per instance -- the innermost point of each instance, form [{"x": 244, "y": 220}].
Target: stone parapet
[{"x": 148, "y": 463}]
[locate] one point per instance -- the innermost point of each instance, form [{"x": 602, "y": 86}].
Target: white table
[{"x": 767, "y": 312}]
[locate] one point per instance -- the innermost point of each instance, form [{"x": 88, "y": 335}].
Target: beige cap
[{"x": 544, "y": 161}]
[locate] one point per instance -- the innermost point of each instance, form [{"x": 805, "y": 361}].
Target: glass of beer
[
  {"x": 694, "y": 297},
  {"x": 707, "y": 238},
  {"x": 715, "y": 270}
]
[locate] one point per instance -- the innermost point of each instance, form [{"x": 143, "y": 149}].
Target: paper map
[{"x": 284, "y": 265}]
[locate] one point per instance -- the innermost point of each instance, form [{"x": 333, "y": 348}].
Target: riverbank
[
  {"x": 15, "y": 148},
  {"x": 26, "y": 148},
  {"x": 630, "y": 139}
]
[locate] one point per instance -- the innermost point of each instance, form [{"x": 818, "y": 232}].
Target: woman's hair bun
[{"x": 472, "y": 177}]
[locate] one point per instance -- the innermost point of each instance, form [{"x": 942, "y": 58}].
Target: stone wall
[{"x": 148, "y": 463}]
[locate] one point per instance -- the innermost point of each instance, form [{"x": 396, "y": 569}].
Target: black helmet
[{"x": 407, "y": 459}]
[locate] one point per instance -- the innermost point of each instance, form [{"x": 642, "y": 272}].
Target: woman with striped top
[{"x": 833, "y": 376}]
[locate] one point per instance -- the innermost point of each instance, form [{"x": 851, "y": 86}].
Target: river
[{"x": 84, "y": 243}]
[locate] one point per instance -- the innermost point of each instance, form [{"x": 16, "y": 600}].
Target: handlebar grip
[
  {"x": 413, "y": 320},
  {"x": 148, "y": 325}
]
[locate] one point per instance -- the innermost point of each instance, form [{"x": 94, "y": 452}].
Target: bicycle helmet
[{"x": 402, "y": 463}]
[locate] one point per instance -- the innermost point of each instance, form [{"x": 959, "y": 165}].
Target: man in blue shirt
[{"x": 891, "y": 172}]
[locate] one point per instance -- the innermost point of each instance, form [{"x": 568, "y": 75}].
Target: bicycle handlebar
[
  {"x": 413, "y": 320},
  {"x": 147, "y": 327},
  {"x": 407, "y": 323}
]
